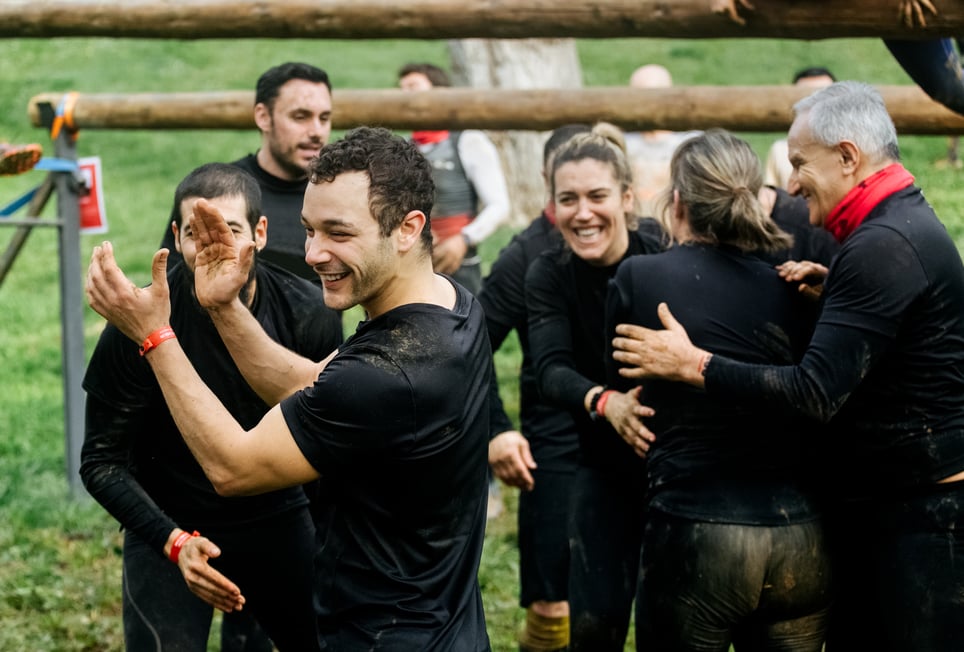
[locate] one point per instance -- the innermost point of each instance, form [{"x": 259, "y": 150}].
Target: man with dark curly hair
[{"x": 394, "y": 422}]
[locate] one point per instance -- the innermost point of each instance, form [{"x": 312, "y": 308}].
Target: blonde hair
[
  {"x": 606, "y": 144},
  {"x": 718, "y": 178}
]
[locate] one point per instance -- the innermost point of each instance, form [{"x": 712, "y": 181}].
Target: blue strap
[
  {"x": 18, "y": 203},
  {"x": 56, "y": 165}
]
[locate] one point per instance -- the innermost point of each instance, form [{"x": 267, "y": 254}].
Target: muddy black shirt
[
  {"x": 565, "y": 300},
  {"x": 886, "y": 361},
  {"x": 550, "y": 431},
  {"x": 715, "y": 459},
  {"x": 398, "y": 427},
  {"x": 134, "y": 461}
]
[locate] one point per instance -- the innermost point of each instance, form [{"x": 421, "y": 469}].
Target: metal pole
[{"x": 69, "y": 185}]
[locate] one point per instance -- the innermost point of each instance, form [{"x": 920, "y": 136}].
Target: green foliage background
[{"x": 60, "y": 558}]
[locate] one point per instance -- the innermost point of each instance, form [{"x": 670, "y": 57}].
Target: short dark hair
[
  {"x": 436, "y": 75},
  {"x": 271, "y": 80},
  {"x": 213, "y": 180},
  {"x": 399, "y": 177},
  {"x": 816, "y": 71}
]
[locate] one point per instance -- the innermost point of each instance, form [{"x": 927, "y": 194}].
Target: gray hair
[{"x": 854, "y": 111}]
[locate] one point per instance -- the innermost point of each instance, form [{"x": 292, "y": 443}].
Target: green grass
[{"x": 60, "y": 559}]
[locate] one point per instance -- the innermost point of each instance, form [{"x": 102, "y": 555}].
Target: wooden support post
[{"x": 737, "y": 108}]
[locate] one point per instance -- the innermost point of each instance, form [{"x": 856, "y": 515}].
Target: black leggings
[
  {"x": 271, "y": 563},
  {"x": 705, "y": 585},
  {"x": 605, "y": 530},
  {"x": 900, "y": 572},
  {"x": 544, "y": 538}
]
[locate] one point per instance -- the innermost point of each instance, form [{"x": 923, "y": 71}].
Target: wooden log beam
[
  {"x": 738, "y": 108},
  {"x": 442, "y": 19}
]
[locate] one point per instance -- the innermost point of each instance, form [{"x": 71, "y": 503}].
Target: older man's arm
[{"x": 667, "y": 354}]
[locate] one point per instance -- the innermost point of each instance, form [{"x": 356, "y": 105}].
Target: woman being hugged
[
  {"x": 733, "y": 549},
  {"x": 590, "y": 183}
]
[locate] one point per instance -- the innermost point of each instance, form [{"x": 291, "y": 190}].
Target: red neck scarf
[
  {"x": 429, "y": 137},
  {"x": 862, "y": 198}
]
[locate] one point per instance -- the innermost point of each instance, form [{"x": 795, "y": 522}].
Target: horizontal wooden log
[
  {"x": 441, "y": 19},
  {"x": 738, "y": 108}
]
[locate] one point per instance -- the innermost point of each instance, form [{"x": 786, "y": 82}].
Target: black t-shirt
[
  {"x": 282, "y": 202},
  {"x": 565, "y": 301},
  {"x": 550, "y": 431},
  {"x": 715, "y": 459},
  {"x": 134, "y": 461},
  {"x": 886, "y": 361},
  {"x": 398, "y": 426}
]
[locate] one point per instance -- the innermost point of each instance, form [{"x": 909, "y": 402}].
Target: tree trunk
[{"x": 518, "y": 64}]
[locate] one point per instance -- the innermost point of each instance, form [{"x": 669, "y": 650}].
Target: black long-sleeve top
[
  {"x": 550, "y": 431},
  {"x": 565, "y": 299},
  {"x": 716, "y": 459}
]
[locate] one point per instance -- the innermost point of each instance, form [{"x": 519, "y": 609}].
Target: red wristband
[
  {"x": 154, "y": 339},
  {"x": 704, "y": 360},
  {"x": 179, "y": 542},
  {"x": 601, "y": 403}
]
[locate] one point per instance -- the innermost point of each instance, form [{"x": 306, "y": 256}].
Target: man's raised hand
[
  {"x": 136, "y": 312},
  {"x": 223, "y": 264}
]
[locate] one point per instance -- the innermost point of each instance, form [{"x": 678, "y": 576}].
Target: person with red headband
[
  {"x": 468, "y": 175},
  {"x": 884, "y": 368}
]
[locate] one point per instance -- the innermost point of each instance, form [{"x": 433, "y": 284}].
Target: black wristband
[{"x": 593, "y": 403}]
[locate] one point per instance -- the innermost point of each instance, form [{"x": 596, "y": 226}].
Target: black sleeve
[
  {"x": 499, "y": 421},
  {"x": 502, "y": 298},
  {"x": 618, "y": 298},
  {"x": 119, "y": 384},
  {"x": 105, "y": 471},
  {"x": 503, "y": 293},
  {"x": 862, "y": 313},
  {"x": 550, "y": 337}
]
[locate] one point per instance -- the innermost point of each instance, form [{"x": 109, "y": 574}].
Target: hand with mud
[
  {"x": 625, "y": 414},
  {"x": 912, "y": 11},
  {"x": 667, "y": 354},
  {"x": 203, "y": 580},
  {"x": 808, "y": 274},
  {"x": 223, "y": 264},
  {"x": 136, "y": 312},
  {"x": 729, "y": 9},
  {"x": 511, "y": 459}
]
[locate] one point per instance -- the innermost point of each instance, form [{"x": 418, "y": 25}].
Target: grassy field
[{"x": 60, "y": 558}]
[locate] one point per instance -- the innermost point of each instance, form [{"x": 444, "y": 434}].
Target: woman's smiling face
[{"x": 591, "y": 210}]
